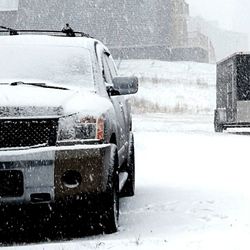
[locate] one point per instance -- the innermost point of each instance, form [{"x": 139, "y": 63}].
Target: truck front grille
[{"x": 27, "y": 133}]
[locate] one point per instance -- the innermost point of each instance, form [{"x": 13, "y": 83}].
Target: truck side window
[
  {"x": 111, "y": 65},
  {"x": 106, "y": 71}
]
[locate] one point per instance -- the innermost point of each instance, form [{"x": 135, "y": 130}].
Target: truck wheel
[
  {"x": 218, "y": 127},
  {"x": 109, "y": 207},
  {"x": 129, "y": 187}
]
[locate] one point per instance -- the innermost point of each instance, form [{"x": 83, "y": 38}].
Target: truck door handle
[{"x": 121, "y": 107}]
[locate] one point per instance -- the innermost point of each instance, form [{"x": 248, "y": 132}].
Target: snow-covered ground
[
  {"x": 172, "y": 87},
  {"x": 192, "y": 185},
  {"x": 192, "y": 190}
]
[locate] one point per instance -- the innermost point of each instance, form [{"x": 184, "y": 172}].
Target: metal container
[{"x": 233, "y": 92}]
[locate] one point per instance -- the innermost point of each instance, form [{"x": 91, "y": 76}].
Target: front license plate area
[{"x": 11, "y": 183}]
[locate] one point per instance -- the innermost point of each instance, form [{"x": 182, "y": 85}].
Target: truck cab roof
[{"x": 48, "y": 40}]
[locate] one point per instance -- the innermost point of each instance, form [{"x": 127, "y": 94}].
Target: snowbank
[{"x": 172, "y": 87}]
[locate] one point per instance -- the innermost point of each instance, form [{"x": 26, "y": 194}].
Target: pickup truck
[{"x": 65, "y": 127}]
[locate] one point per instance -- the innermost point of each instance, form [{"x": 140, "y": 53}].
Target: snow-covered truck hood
[{"x": 32, "y": 101}]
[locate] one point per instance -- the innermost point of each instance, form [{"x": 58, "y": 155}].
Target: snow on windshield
[{"x": 62, "y": 65}]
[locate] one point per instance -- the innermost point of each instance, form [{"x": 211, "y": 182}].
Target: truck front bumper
[{"x": 51, "y": 174}]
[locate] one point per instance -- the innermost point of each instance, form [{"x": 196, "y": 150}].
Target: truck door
[{"x": 118, "y": 103}]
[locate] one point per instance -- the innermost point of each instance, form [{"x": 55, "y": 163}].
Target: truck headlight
[{"x": 80, "y": 128}]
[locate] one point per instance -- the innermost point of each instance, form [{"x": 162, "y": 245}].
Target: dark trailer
[{"x": 233, "y": 92}]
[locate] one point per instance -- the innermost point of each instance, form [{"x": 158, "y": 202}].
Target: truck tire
[
  {"x": 102, "y": 209},
  {"x": 218, "y": 127},
  {"x": 129, "y": 187},
  {"x": 108, "y": 212}
]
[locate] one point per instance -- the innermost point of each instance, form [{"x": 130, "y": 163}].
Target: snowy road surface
[{"x": 193, "y": 190}]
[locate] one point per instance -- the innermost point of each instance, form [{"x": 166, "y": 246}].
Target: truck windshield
[{"x": 69, "y": 66}]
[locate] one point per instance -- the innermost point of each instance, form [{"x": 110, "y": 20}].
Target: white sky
[{"x": 231, "y": 14}]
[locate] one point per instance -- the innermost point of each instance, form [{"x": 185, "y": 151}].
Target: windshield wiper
[{"x": 42, "y": 85}]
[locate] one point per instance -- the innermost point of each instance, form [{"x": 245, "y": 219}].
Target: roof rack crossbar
[
  {"x": 16, "y": 32},
  {"x": 10, "y": 30}
]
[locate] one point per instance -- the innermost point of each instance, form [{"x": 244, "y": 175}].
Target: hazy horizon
[{"x": 230, "y": 14}]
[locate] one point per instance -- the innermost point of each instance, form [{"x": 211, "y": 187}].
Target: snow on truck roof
[{"x": 47, "y": 40}]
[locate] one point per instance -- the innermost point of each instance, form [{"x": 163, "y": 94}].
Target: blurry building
[
  {"x": 129, "y": 27},
  {"x": 225, "y": 42},
  {"x": 201, "y": 46},
  {"x": 179, "y": 14},
  {"x": 133, "y": 29},
  {"x": 187, "y": 46},
  {"x": 138, "y": 29}
]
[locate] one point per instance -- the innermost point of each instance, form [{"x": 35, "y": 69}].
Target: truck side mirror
[{"x": 124, "y": 86}]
